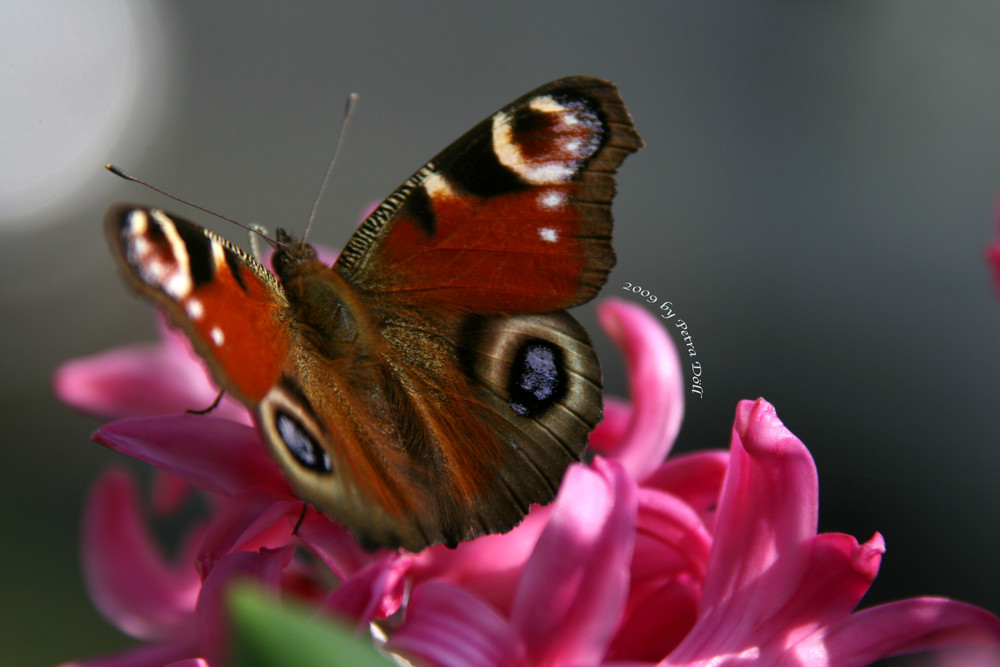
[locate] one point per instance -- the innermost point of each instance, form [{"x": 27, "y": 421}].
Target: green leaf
[{"x": 267, "y": 633}]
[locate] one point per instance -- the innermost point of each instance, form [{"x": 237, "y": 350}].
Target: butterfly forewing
[
  {"x": 232, "y": 309},
  {"x": 527, "y": 192}
]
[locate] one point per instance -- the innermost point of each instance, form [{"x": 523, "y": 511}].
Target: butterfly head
[{"x": 291, "y": 256}]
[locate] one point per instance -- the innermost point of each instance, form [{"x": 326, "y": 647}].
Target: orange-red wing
[
  {"x": 513, "y": 217},
  {"x": 229, "y": 305}
]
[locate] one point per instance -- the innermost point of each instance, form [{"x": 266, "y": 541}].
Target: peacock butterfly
[{"x": 429, "y": 386}]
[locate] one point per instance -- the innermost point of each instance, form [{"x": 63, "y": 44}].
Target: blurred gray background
[{"x": 818, "y": 186}]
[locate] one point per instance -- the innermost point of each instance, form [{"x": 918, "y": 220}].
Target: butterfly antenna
[
  {"x": 253, "y": 229},
  {"x": 352, "y": 101}
]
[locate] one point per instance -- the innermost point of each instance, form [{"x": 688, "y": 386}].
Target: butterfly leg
[
  {"x": 214, "y": 405},
  {"x": 302, "y": 517}
]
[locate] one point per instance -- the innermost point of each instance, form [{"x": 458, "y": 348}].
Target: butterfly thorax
[{"x": 325, "y": 308}]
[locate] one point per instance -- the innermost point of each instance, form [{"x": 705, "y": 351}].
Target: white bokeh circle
[{"x": 76, "y": 76}]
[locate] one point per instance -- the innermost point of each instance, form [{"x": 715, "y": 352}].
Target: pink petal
[
  {"x": 169, "y": 493},
  {"x": 248, "y": 521},
  {"x": 609, "y": 432},
  {"x": 670, "y": 538},
  {"x": 767, "y": 515},
  {"x": 768, "y": 509},
  {"x": 655, "y": 384},
  {"x": 907, "y": 626},
  {"x": 107, "y": 384},
  {"x": 147, "y": 655},
  {"x": 672, "y": 549},
  {"x": 490, "y": 565},
  {"x": 696, "y": 478},
  {"x": 215, "y": 454},
  {"x": 993, "y": 257},
  {"x": 656, "y": 621},
  {"x": 839, "y": 574},
  {"x": 126, "y": 576},
  {"x": 264, "y": 568},
  {"x": 331, "y": 542},
  {"x": 375, "y": 592},
  {"x": 450, "y": 627},
  {"x": 140, "y": 380},
  {"x": 573, "y": 589},
  {"x": 190, "y": 662}
]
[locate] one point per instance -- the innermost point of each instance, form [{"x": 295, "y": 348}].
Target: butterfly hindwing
[{"x": 422, "y": 437}]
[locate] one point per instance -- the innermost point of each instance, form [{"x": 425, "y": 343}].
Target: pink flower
[
  {"x": 760, "y": 586},
  {"x": 993, "y": 256},
  {"x": 706, "y": 558}
]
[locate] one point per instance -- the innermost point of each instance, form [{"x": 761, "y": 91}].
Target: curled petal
[
  {"x": 248, "y": 521},
  {"x": 489, "y": 565},
  {"x": 215, "y": 454},
  {"x": 106, "y": 384},
  {"x": 897, "y": 628},
  {"x": 670, "y": 538},
  {"x": 143, "y": 380},
  {"x": 125, "y": 573},
  {"x": 839, "y": 573},
  {"x": 767, "y": 515},
  {"x": 375, "y": 592},
  {"x": 767, "y": 511},
  {"x": 696, "y": 478},
  {"x": 655, "y": 384},
  {"x": 333, "y": 544},
  {"x": 573, "y": 588},
  {"x": 608, "y": 434},
  {"x": 656, "y": 620},
  {"x": 451, "y": 627},
  {"x": 671, "y": 554},
  {"x": 264, "y": 568}
]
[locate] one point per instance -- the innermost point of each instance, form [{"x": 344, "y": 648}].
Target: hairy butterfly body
[{"x": 429, "y": 386}]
